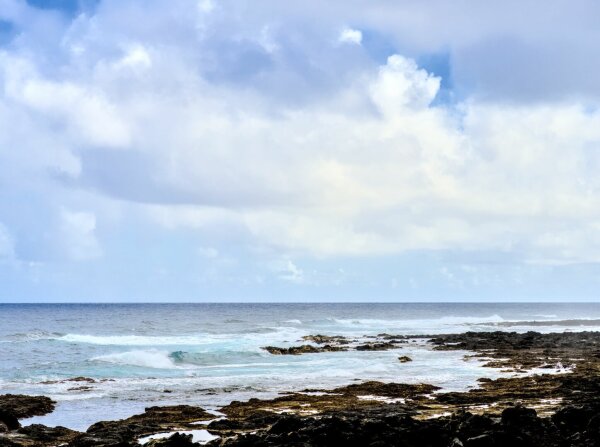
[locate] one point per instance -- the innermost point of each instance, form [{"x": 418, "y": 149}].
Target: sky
[{"x": 232, "y": 150}]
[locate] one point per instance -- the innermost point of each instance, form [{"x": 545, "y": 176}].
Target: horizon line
[{"x": 300, "y": 302}]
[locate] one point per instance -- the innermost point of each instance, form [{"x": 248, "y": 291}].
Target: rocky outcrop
[
  {"x": 515, "y": 426},
  {"x": 522, "y": 351},
  {"x": 336, "y": 343},
  {"x": 23, "y": 406},
  {"x": 327, "y": 339},
  {"x": 376, "y": 346},
  {"x": 549, "y": 410},
  {"x": 40, "y": 435},
  {"x": 14, "y": 407},
  {"x": 18, "y": 406},
  {"x": 176, "y": 440},
  {"x": 154, "y": 420},
  {"x": 303, "y": 349}
]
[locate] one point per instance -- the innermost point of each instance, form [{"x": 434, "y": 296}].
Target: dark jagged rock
[
  {"x": 404, "y": 359},
  {"x": 303, "y": 349},
  {"x": 518, "y": 415},
  {"x": 176, "y": 440},
  {"x": 22, "y": 406},
  {"x": 383, "y": 426},
  {"x": 519, "y": 351},
  {"x": 72, "y": 379},
  {"x": 18, "y": 406},
  {"x": 388, "y": 389},
  {"x": 376, "y": 346},
  {"x": 335, "y": 343},
  {"x": 43, "y": 435},
  {"x": 6, "y": 442},
  {"x": 126, "y": 432},
  {"x": 326, "y": 339},
  {"x": 8, "y": 421}
]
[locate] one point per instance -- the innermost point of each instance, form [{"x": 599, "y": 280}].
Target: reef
[
  {"x": 336, "y": 343},
  {"x": 552, "y": 399}
]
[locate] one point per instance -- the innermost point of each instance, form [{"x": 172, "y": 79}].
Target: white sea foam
[
  {"x": 145, "y": 358},
  {"x": 274, "y": 333},
  {"x": 200, "y": 436},
  {"x": 136, "y": 340}
]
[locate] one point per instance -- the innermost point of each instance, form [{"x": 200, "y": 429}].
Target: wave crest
[{"x": 143, "y": 358}]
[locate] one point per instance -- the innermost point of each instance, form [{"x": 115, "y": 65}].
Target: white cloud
[
  {"x": 208, "y": 252},
  {"x": 370, "y": 166},
  {"x": 286, "y": 270},
  {"x": 78, "y": 232},
  {"x": 136, "y": 57},
  {"x": 411, "y": 177},
  {"x": 88, "y": 117},
  {"x": 349, "y": 35},
  {"x": 7, "y": 245},
  {"x": 401, "y": 85}
]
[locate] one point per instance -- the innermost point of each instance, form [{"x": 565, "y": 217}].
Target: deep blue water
[{"x": 210, "y": 354}]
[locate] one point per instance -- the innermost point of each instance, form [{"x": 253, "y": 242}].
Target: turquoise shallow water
[{"x": 210, "y": 354}]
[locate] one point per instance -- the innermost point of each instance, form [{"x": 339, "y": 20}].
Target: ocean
[{"x": 210, "y": 354}]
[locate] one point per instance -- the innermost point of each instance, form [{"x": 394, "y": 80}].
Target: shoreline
[{"x": 545, "y": 407}]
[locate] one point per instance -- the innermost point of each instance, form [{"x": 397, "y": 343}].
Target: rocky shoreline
[{"x": 553, "y": 399}]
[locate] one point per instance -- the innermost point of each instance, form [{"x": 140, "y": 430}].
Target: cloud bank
[{"x": 295, "y": 145}]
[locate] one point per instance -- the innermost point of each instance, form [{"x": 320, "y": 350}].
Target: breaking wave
[{"x": 143, "y": 358}]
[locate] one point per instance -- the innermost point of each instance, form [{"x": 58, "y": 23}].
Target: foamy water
[{"x": 208, "y": 354}]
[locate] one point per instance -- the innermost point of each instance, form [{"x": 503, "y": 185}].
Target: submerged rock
[{"x": 72, "y": 379}]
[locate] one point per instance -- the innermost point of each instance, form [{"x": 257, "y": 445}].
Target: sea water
[{"x": 210, "y": 354}]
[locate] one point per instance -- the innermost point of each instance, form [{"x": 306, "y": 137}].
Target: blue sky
[{"x": 299, "y": 151}]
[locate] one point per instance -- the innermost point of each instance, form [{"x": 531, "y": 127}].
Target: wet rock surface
[
  {"x": 303, "y": 349},
  {"x": 336, "y": 343},
  {"x": 521, "y": 351},
  {"x": 559, "y": 405},
  {"x": 176, "y": 440},
  {"x": 327, "y": 339},
  {"x": 154, "y": 420},
  {"x": 517, "y": 426},
  {"x": 22, "y": 406}
]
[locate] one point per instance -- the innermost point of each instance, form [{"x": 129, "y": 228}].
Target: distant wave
[
  {"x": 443, "y": 321},
  {"x": 30, "y": 336},
  {"x": 179, "y": 340},
  {"x": 293, "y": 321},
  {"x": 573, "y": 322},
  {"x": 135, "y": 340}
]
